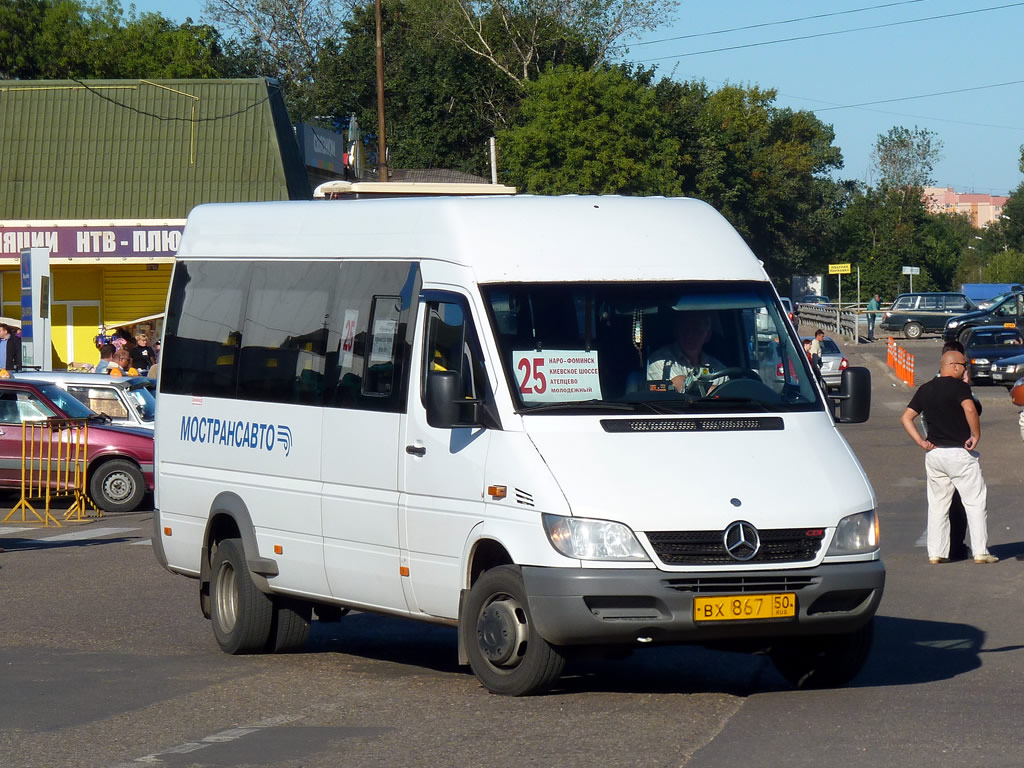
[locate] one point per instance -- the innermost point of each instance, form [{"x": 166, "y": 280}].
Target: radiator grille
[
  {"x": 781, "y": 545},
  {"x": 740, "y": 584}
]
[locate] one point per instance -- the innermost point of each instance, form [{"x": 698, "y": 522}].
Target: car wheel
[
  {"x": 913, "y": 330},
  {"x": 827, "y": 661},
  {"x": 505, "y": 651},
  {"x": 289, "y": 628},
  {"x": 117, "y": 486},
  {"x": 241, "y": 614}
]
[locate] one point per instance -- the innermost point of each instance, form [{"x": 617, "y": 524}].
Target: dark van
[
  {"x": 913, "y": 314},
  {"x": 1007, "y": 310}
]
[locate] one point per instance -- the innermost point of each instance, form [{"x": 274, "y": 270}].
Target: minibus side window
[
  {"x": 369, "y": 335},
  {"x": 204, "y": 328},
  {"x": 451, "y": 346},
  {"x": 284, "y": 335}
]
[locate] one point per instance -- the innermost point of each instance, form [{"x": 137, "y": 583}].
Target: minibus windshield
[{"x": 661, "y": 347}]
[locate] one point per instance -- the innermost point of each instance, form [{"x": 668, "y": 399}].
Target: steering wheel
[{"x": 700, "y": 382}]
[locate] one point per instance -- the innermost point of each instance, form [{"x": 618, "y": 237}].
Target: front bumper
[{"x": 612, "y": 606}]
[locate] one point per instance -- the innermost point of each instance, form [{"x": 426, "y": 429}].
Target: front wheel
[
  {"x": 827, "y": 661},
  {"x": 913, "y": 330},
  {"x": 117, "y": 486},
  {"x": 505, "y": 651}
]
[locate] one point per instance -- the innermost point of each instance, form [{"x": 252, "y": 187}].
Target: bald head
[{"x": 953, "y": 364}]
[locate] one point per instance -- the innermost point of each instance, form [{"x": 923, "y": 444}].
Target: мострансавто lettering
[{"x": 236, "y": 433}]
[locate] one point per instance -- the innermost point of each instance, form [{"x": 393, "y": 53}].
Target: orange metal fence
[
  {"x": 54, "y": 457},
  {"x": 901, "y": 361}
]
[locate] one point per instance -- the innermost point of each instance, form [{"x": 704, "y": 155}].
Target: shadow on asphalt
[
  {"x": 911, "y": 651},
  {"x": 905, "y": 652}
]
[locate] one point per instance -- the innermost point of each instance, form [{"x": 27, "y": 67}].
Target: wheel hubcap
[
  {"x": 226, "y": 598},
  {"x": 501, "y": 631},
  {"x": 118, "y": 486}
]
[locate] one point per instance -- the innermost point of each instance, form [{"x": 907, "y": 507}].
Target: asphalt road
[{"x": 105, "y": 660}]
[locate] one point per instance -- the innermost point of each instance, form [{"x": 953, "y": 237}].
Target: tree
[
  {"x": 521, "y": 38},
  {"x": 905, "y": 157},
  {"x": 286, "y": 36},
  {"x": 590, "y": 132}
]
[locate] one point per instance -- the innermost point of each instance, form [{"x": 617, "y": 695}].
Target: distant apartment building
[{"x": 982, "y": 209}]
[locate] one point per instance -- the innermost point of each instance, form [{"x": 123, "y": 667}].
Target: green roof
[{"x": 146, "y": 149}]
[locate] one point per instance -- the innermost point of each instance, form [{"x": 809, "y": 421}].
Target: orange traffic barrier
[
  {"x": 54, "y": 457},
  {"x": 901, "y": 361}
]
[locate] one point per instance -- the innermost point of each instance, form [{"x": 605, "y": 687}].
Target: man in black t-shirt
[{"x": 951, "y": 463}]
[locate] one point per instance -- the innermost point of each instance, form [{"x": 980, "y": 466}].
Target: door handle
[{"x": 416, "y": 450}]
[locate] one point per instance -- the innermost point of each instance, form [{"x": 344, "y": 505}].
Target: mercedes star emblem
[{"x": 741, "y": 540}]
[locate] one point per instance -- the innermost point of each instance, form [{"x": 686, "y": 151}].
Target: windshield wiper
[
  {"x": 600, "y": 405},
  {"x": 756, "y": 405}
]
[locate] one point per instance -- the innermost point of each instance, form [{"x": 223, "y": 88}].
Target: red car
[{"x": 120, "y": 459}]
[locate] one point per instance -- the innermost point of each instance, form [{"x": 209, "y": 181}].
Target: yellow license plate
[{"x": 744, "y": 607}]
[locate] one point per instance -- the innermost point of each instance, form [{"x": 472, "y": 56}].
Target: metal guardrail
[
  {"x": 845, "y": 322},
  {"x": 54, "y": 459}
]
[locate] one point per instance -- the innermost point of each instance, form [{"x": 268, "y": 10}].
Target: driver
[{"x": 683, "y": 361}]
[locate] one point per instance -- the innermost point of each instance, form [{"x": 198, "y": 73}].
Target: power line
[
  {"x": 836, "y": 32},
  {"x": 770, "y": 23},
  {"x": 921, "y": 96}
]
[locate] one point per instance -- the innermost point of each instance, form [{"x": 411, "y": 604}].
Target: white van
[{"x": 454, "y": 410}]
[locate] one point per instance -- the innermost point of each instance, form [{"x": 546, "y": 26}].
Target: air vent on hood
[
  {"x": 693, "y": 425},
  {"x": 522, "y": 497}
]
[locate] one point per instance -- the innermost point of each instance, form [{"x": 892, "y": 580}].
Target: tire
[
  {"x": 289, "y": 626},
  {"x": 505, "y": 651},
  {"x": 828, "y": 661},
  {"x": 913, "y": 330},
  {"x": 117, "y": 486},
  {"x": 241, "y": 614}
]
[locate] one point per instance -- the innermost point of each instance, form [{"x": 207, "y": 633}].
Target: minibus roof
[{"x": 502, "y": 239}]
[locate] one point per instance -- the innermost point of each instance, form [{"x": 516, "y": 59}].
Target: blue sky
[{"x": 965, "y": 49}]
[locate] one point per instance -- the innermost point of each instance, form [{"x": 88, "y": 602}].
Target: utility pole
[{"x": 382, "y": 148}]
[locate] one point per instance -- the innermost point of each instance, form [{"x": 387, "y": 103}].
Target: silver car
[
  {"x": 127, "y": 400},
  {"x": 833, "y": 363}
]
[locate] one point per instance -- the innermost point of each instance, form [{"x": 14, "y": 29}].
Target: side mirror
[
  {"x": 854, "y": 398},
  {"x": 441, "y": 399}
]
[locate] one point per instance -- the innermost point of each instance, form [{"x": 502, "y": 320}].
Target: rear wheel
[
  {"x": 117, "y": 486},
  {"x": 505, "y": 651},
  {"x": 241, "y": 614},
  {"x": 913, "y": 330},
  {"x": 827, "y": 661},
  {"x": 289, "y": 627}
]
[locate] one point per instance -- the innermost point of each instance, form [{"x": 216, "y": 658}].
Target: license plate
[{"x": 781, "y": 605}]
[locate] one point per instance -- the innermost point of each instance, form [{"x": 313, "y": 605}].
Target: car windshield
[
  {"x": 72, "y": 408},
  {"x": 648, "y": 347},
  {"x": 141, "y": 395}
]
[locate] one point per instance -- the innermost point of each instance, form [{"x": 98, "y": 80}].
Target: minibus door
[{"x": 443, "y": 467}]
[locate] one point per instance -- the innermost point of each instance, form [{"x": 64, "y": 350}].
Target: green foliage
[
  {"x": 1005, "y": 267},
  {"x": 905, "y": 157},
  {"x": 590, "y": 132},
  {"x": 57, "y": 39}
]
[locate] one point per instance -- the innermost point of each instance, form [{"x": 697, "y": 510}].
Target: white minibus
[{"x": 563, "y": 425}]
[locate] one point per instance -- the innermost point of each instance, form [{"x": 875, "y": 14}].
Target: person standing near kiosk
[{"x": 10, "y": 347}]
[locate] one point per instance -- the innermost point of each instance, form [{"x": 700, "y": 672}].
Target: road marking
[
  {"x": 17, "y": 530},
  {"x": 223, "y": 737},
  {"x": 89, "y": 533},
  {"x": 144, "y": 542}
]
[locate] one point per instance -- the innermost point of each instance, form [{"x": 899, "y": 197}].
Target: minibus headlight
[
  {"x": 856, "y": 534},
  {"x": 585, "y": 539}
]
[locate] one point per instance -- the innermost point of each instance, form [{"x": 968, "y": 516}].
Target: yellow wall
[{"x": 101, "y": 293}]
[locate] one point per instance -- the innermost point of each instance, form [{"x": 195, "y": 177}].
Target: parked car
[
  {"x": 833, "y": 363},
  {"x": 119, "y": 471},
  {"x": 987, "y": 345},
  {"x": 1007, "y": 370},
  {"x": 914, "y": 314},
  {"x": 813, "y": 298},
  {"x": 127, "y": 400},
  {"x": 787, "y": 304},
  {"x": 1008, "y": 311}
]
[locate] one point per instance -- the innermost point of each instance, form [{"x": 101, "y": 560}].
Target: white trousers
[{"x": 949, "y": 469}]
